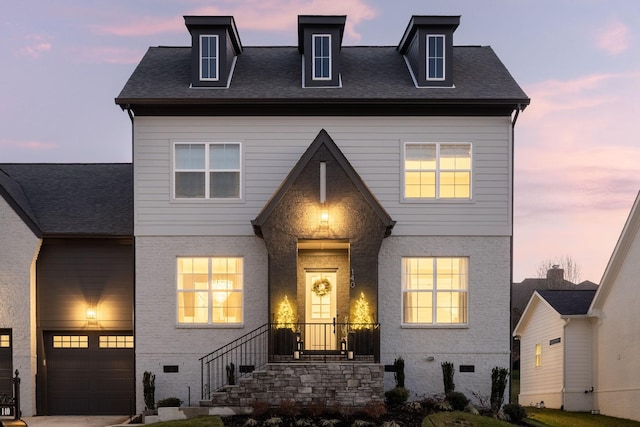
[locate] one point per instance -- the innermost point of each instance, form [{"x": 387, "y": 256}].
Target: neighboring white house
[
  {"x": 616, "y": 328},
  {"x": 260, "y": 172},
  {"x": 586, "y": 359},
  {"x": 555, "y": 349}
]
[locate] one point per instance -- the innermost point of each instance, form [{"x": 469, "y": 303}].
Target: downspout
[{"x": 513, "y": 149}]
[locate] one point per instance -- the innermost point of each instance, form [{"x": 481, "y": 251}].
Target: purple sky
[{"x": 577, "y": 145}]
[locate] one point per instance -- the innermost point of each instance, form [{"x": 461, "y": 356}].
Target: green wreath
[{"x": 321, "y": 287}]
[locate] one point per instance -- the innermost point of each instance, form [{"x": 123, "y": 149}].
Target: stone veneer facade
[{"x": 334, "y": 384}]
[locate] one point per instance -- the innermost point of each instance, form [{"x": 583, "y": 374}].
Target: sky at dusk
[{"x": 577, "y": 146}]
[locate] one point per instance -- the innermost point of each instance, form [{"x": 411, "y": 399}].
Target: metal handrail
[{"x": 295, "y": 341}]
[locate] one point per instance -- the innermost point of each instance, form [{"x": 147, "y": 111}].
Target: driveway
[{"x": 75, "y": 421}]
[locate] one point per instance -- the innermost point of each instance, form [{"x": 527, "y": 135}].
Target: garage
[{"x": 89, "y": 373}]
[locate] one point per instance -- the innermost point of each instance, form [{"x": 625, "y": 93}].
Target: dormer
[
  {"x": 427, "y": 46},
  {"x": 319, "y": 43},
  {"x": 215, "y": 45}
]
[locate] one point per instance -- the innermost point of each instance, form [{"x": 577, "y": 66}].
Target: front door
[{"x": 320, "y": 316}]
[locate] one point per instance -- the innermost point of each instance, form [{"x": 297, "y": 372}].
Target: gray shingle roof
[
  {"x": 369, "y": 74},
  {"x": 71, "y": 199},
  {"x": 569, "y": 303}
]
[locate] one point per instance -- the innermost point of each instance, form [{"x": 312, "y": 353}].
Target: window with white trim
[
  {"x": 209, "y": 63},
  {"x": 435, "y": 290},
  {"x": 321, "y": 56},
  {"x": 437, "y": 171},
  {"x": 210, "y": 290},
  {"x": 435, "y": 57},
  {"x": 207, "y": 170}
]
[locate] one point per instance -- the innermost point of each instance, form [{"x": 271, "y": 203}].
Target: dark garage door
[{"x": 89, "y": 373}]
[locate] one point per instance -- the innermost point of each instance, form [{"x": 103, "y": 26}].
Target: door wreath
[{"x": 321, "y": 287}]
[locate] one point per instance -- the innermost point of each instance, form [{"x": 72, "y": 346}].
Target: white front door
[{"x": 320, "y": 331}]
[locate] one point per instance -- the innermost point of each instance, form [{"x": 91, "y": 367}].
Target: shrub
[
  {"x": 316, "y": 408},
  {"x": 149, "y": 390},
  {"x": 396, "y": 396},
  {"x": 398, "y": 375},
  {"x": 375, "y": 409},
  {"x": 447, "y": 377},
  {"x": 259, "y": 407},
  {"x": 457, "y": 400},
  {"x": 498, "y": 385},
  {"x": 169, "y": 402},
  {"x": 289, "y": 408},
  {"x": 515, "y": 412}
]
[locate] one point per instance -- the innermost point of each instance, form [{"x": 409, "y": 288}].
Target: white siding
[
  {"x": 484, "y": 342},
  {"x": 578, "y": 365},
  {"x": 617, "y": 338},
  {"x": 543, "y": 383},
  {"x": 18, "y": 252},
  {"x": 159, "y": 341},
  {"x": 272, "y": 146}
]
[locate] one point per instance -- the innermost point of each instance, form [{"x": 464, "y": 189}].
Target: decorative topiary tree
[
  {"x": 447, "y": 377},
  {"x": 149, "y": 390},
  {"x": 398, "y": 374},
  {"x": 362, "y": 316},
  {"x": 499, "y": 378}
]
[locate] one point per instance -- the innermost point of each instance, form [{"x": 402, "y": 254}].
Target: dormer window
[
  {"x": 435, "y": 57},
  {"x": 427, "y": 47},
  {"x": 208, "y": 57},
  {"x": 322, "y": 56},
  {"x": 215, "y": 45},
  {"x": 319, "y": 43}
]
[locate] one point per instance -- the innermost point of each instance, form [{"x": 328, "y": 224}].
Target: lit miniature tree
[
  {"x": 362, "y": 318},
  {"x": 285, "y": 318}
]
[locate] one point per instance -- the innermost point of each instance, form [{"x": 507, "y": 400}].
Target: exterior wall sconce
[
  {"x": 350, "y": 355},
  {"x": 324, "y": 217},
  {"x": 91, "y": 313}
]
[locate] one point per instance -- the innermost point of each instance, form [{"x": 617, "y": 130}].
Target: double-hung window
[
  {"x": 437, "y": 171},
  {"x": 435, "y": 57},
  {"x": 210, "y": 290},
  {"x": 435, "y": 290},
  {"x": 209, "y": 63},
  {"x": 207, "y": 170},
  {"x": 321, "y": 57}
]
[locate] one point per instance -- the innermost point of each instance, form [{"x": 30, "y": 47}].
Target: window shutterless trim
[
  {"x": 438, "y": 172},
  {"x": 207, "y": 172},
  {"x": 438, "y": 59},
  {"x": 216, "y": 56},
  {"x": 322, "y": 56}
]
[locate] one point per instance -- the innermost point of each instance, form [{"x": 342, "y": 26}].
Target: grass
[
  {"x": 537, "y": 418},
  {"x": 558, "y": 418}
]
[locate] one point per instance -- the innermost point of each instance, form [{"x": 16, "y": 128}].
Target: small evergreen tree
[
  {"x": 499, "y": 378},
  {"x": 149, "y": 390},
  {"x": 399, "y": 372},
  {"x": 447, "y": 377}
]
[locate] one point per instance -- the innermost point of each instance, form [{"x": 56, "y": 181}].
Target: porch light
[
  {"x": 324, "y": 217},
  {"x": 91, "y": 313}
]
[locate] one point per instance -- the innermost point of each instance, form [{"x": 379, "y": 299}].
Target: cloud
[
  {"x": 27, "y": 145},
  {"x": 107, "y": 55},
  {"x": 36, "y": 46},
  {"x": 265, "y": 15},
  {"x": 615, "y": 38}
]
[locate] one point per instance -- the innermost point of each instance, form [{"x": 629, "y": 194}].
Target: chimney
[{"x": 555, "y": 277}]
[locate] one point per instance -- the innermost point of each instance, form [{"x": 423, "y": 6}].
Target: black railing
[{"x": 317, "y": 342}]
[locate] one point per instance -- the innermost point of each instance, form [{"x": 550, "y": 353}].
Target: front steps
[{"x": 352, "y": 384}]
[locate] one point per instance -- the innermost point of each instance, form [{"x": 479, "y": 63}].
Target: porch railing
[{"x": 316, "y": 342}]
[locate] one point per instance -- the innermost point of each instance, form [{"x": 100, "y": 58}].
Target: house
[
  {"x": 555, "y": 349},
  {"x": 66, "y": 287},
  {"x": 579, "y": 347},
  {"x": 616, "y": 331},
  {"x": 521, "y": 294},
  {"x": 358, "y": 197}
]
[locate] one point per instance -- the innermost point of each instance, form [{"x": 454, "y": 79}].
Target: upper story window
[
  {"x": 538, "y": 355},
  {"x": 209, "y": 66},
  {"x": 322, "y": 57},
  {"x": 207, "y": 171},
  {"x": 435, "y": 290},
  {"x": 435, "y": 57},
  {"x": 437, "y": 171},
  {"x": 210, "y": 290}
]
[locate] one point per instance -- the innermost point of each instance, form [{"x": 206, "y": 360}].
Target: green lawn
[{"x": 558, "y": 418}]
